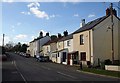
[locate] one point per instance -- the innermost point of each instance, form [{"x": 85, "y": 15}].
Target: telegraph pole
[
  {"x": 3, "y": 40},
  {"x": 112, "y": 24}
]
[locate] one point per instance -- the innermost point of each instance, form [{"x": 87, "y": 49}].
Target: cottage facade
[{"x": 93, "y": 41}]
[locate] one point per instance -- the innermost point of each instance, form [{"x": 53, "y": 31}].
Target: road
[{"x": 19, "y": 68}]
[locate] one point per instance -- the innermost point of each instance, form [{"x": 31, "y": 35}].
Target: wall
[
  {"x": 46, "y": 50},
  {"x": 70, "y": 48},
  {"x": 102, "y": 41},
  {"x": 36, "y": 46},
  {"x": 112, "y": 67},
  {"x": 42, "y": 41},
  {"x": 119, "y": 40},
  {"x": 60, "y": 45},
  {"x": 59, "y": 59},
  {"x": 87, "y": 44},
  {"x": 53, "y": 58},
  {"x": 53, "y": 48}
]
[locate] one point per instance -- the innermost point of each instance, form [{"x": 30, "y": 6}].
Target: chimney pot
[
  {"x": 82, "y": 23},
  {"x": 65, "y": 33},
  {"x": 41, "y": 34},
  {"x": 47, "y": 34}
]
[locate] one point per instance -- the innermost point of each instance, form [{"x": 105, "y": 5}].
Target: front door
[{"x": 69, "y": 59}]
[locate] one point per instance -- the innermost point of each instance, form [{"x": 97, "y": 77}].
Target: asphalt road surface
[{"x": 19, "y": 68}]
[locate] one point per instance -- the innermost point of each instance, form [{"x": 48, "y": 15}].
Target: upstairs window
[
  {"x": 68, "y": 43},
  {"x": 81, "y": 39}
]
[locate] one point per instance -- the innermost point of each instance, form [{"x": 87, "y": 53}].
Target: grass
[{"x": 102, "y": 72}]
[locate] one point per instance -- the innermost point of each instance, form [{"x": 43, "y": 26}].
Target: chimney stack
[
  {"x": 65, "y": 33},
  {"x": 59, "y": 35},
  {"x": 107, "y": 12},
  {"x": 41, "y": 34},
  {"x": 110, "y": 11},
  {"x": 82, "y": 23},
  {"x": 47, "y": 34}
]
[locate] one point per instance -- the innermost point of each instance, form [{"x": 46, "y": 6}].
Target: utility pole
[
  {"x": 3, "y": 40},
  {"x": 112, "y": 24}
]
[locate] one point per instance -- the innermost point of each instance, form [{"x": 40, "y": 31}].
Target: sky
[{"x": 22, "y": 21}]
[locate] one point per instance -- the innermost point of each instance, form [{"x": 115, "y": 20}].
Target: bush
[{"x": 107, "y": 62}]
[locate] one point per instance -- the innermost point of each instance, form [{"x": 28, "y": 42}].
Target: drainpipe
[{"x": 90, "y": 46}]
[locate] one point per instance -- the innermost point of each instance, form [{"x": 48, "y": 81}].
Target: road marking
[
  {"x": 19, "y": 72},
  {"x": 14, "y": 72},
  {"x": 45, "y": 67},
  {"x": 66, "y": 74},
  {"x": 12, "y": 62}
]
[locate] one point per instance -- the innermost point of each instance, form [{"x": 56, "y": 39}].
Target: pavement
[{"x": 19, "y": 68}]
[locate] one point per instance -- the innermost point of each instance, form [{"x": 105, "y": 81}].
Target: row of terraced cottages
[{"x": 92, "y": 43}]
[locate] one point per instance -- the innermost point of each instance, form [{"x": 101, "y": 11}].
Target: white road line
[
  {"x": 19, "y": 72},
  {"x": 12, "y": 62},
  {"x": 45, "y": 67},
  {"x": 66, "y": 74}
]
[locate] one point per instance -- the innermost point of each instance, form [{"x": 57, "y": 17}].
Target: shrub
[{"x": 107, "y": 62}]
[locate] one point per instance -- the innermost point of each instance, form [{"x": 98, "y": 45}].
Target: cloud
[
  {"x": 13, "y": 26},
  {"x": 60, "y": 0},
  {"x": 26, "y": 13},
  {"x": 76, "y": 15},
  {"x": 20, "y": 36},
  {"x": 9, "y": 1},
  {"x": 18, "y": 23},
  {"x": 36, "y": 4},
  {"x": 91, "y": 15},
  {"x": 33, "y": 37},
  {"x": 34, "y": 9},
  {"x": 52, "y": 16}
]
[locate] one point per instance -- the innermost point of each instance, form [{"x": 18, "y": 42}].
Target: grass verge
[{"x": 102, "y": 72}]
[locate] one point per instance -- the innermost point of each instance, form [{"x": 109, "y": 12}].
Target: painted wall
[
  {"x": 98, "y": 42},
  {"x": 70, "y": 48},
  {"x": 60, "y": 45},
  {"x": 36, "y": 46},
  {"x": 118, "y": 40},
  {"x": 60, "y": 58},
  {"x": 102, "y": 41},
  {"x": 53, "y": 48},
  {"x": 83, "y": 48},
  {"x": 46, "y": 50}
]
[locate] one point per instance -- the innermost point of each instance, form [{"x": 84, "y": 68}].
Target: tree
[
  {"x": 53, "y": 37},
  {"x": 24, "y": 48}
]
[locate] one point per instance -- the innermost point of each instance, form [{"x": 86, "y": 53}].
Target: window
[
  {"x": 47, "y": 49},
  {"x": 83, "y": 56},
  {"x": 58, "y": 54},
  {"x": 81, "y": 40},
  {"x": 68, "y": 43}
]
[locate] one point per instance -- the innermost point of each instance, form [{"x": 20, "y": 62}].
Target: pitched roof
[
  {"x": 91, "y": 24},
  {"x": 37, "y": 39},
  {"x": 52, "y": 41},
  {"x": 47, "y": 43},
  {"x": 70, "y": 36}
]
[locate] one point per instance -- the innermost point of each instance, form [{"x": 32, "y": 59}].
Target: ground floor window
[
  {"x": 83, "y": 56},
  {"x": 64, "y": 56}
]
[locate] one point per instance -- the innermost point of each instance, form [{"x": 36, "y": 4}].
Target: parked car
[
  {"x": 27, "y": 55},
  {"x": 40, "y": 58},
  {"x": 3, "y": 57}
]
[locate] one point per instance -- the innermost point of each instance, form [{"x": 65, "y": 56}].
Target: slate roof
[
  {"x": 70, "y": 36},
  {"x": 91, "y": 24},
  {"x": 52, "y": 41}
]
